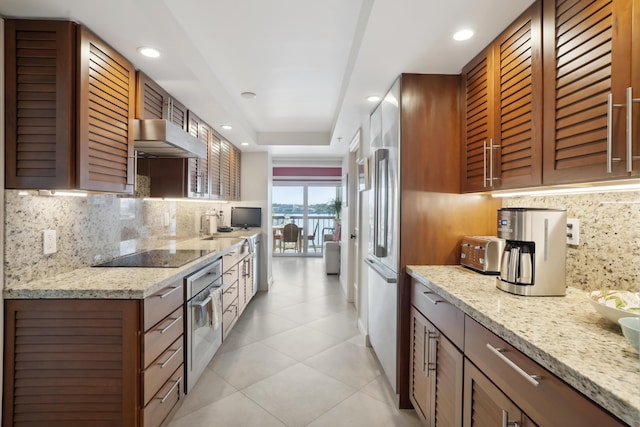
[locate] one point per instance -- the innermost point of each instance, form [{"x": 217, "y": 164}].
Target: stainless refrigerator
[{"x": 382, "y": 258}]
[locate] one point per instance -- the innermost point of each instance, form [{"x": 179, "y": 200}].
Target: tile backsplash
[{"x": 608, "y": 255}]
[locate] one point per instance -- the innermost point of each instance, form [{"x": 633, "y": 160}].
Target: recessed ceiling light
[
  {"x": 465, "y": 34},
  {"x": 149, "y": 52},
  {"x": 244, "y": 143},
  {"x": 227, "y": 127},
  {"x": 373, "y": 98},
  {"x": 248, "y": 95}
]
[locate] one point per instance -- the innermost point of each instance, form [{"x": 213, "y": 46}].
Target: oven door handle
[{"x": 201, "y": 304}]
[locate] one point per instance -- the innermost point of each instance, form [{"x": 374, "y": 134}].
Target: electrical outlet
[
  {"x": 573, "y": 231},
  {"x": 49, "y": 245}
]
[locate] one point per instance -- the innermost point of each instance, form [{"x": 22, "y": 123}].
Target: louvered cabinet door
[
  {"x": 477, "y": 122},
  {"x": 588, "y": 47},
  {"x": 518, "y": 89},
  {"x": 40, "y": 104},
  {"x": 225, "y": 170},
  {"x": 153, "y": 102},
  {"x": 71, "y": 363},
  {"x": 198, "y": 168},
  {"x": 448, "y": 382},
  {"x": 215, "y": 151},
  {"x": 235, "y": 174},
  {"x": 485, "y": 405},
  {"x": 105, "y": 112},
  {"x": 419, "y": 383}
]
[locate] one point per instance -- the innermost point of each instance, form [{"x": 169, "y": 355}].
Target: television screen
[{"x": 244, "y": 217}]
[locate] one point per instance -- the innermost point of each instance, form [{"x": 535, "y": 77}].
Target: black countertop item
[{"x": 157, "y": 258}]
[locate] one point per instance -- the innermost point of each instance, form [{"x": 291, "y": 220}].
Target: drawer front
[
  {"x": 231, "y": 258},
  {"x": 444, "y": 316},
  {"x": 161, "y": 369},
  {"x": 229, "y": 295},
  {"x": 166, "y": 402},
  {"x": 229, "y": 317},
  {"x": 540, "y": 394},
  {"x": 163, "y": 302},
  {"x": 231, "y": 275},
  {"x": 160, "y": 337}
]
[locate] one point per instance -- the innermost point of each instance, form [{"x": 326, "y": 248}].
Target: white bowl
[
  {"x": 604, "y": 302},
  {"x": 631, "y": 330}
]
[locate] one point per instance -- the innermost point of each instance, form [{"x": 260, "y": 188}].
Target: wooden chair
[
  {"x": 291, "y": 235},
  {"x": 312, "y": 237}
]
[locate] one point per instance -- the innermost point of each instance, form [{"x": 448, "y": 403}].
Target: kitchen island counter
[
  {"x": 563, "y": 334},
  {"x": 122, "y": 282}
]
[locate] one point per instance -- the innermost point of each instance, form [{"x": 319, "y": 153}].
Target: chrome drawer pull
[
  {"x": 166, "y": 294},
  {"x": 166, "y": 396},
  {"x": 498, "y": 352},
  {"x": 506, "y": 422},
  {"x": 176, "y": 320},
  {"x": 171, "y": 357},
  {"x": 431, "y": 300}
]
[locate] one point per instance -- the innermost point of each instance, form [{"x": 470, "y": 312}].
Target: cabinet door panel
[
  {"x": 587, "y": 49},
  {"x": 106, "y": 89},
  {"x": 40, "y": 105},
  {"x": 198, "y": 178},
  {"x": 419, "y": 380},
  {"x": 449, "y": 382}
]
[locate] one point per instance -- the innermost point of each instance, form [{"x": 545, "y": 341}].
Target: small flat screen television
[{"x": 243, "y": 217}]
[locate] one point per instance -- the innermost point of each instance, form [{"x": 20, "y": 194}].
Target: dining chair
[
  {"x": 290, "y": 234},
  {"x": 312, "y": 237}
]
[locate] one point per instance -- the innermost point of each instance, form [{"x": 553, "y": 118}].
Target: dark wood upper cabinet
[
  {"x": 502, "y": 109},
  {"x": 153, "y": 102},
  {"x": 69, "y": 109},
  {"x": 229, "y": 171},
  {"x": 591, "y": 51}
]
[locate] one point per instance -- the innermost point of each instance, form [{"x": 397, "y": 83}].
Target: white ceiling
[{"x": 311, "y": 63}]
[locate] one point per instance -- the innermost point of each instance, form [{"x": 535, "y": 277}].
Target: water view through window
[{"x": 311, "y": 207}]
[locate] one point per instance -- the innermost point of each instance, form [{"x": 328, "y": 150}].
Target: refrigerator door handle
[{"x": 388, "y": 276}]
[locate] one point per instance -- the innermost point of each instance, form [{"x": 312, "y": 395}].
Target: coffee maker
[{"x": 533, "y": 260}]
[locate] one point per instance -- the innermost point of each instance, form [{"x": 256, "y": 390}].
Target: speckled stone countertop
[
  {"x": 121, "y": 282},
  {"x": 563, "y": 334}
]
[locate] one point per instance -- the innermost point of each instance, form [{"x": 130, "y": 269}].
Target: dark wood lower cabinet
[{"x": 92, "y": 362}]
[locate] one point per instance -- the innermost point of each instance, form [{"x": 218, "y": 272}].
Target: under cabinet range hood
[{"x": 162, "y": 138}]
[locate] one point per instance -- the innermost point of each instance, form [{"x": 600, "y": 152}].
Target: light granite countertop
[
  {"x": 123, "y": 282},
  {"x": 563, "y": 334}
]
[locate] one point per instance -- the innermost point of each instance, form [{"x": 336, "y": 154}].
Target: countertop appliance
[
  {"x": 157, "y": 258},
  {"x": 383, "y": 258},
  {"x": 534, "y": 257},
  {"x": 203, "y": 312},
  {"x": 482, "y": 253}
]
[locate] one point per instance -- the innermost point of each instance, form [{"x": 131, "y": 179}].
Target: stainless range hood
[{"x": 162, "y": 138}]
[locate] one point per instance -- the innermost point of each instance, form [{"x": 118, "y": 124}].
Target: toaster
[{"x": 482, "y": 253}]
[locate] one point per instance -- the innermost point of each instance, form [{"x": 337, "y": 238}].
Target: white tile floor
[{"x": 294, "y": 358}]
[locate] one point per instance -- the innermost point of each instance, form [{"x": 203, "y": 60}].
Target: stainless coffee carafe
[{"x": 533, "y": 261}]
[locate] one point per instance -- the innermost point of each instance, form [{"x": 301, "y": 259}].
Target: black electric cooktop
[{"x": 157, "y": 258}]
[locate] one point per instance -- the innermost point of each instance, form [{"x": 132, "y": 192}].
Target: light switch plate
[
  {"x": 49, "y": 245},
  {"x": 573, "y": 231}
]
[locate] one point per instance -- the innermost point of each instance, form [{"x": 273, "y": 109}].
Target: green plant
[{"x": 336, "y": 206}]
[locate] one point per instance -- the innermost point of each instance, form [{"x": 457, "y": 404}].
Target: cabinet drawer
[
  {"x": 231, "y": 275},
  {"x": 229, "y": 295},
  {"x": 160, "y": 337},
  {"x": 161, "y": 369},
  {"x": 444, "y": 316},
  {"x": 165, "y": 402},
  {"x": 161, "y": 303},
  {"x": 540, "y": 394},
  {"x": 229, "y": 317},
  {"x": 231, "y": 258}
]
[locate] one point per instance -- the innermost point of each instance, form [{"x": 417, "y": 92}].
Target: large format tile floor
[{"x": 294, "y": 358}]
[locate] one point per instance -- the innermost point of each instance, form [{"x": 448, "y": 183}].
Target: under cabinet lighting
[
  {"x": 616, "y": 188},
  {"x": 174, "y": 199},
  {"x": 49, "y": 193}
]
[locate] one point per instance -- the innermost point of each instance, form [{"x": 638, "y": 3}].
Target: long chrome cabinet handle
[
  {"x": 484, "y": 164},
  {"x": 498, "y": 352},
  {"x": 431, "y": 300},
  {"x": 491, "y": 162},
  {"x": 506, "y": 422},
  {"x": 431, "y": 366},
  {"x": 176, "y": 320},
  {"x": 166, "y": 396},
  {"x": 425, "y": 350},
  {"x": 166, "y": 362},
  {"x": 630, "y": 156},
  {"x": 610, "y": 106},
  {"x": 166, "y": 294}
]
